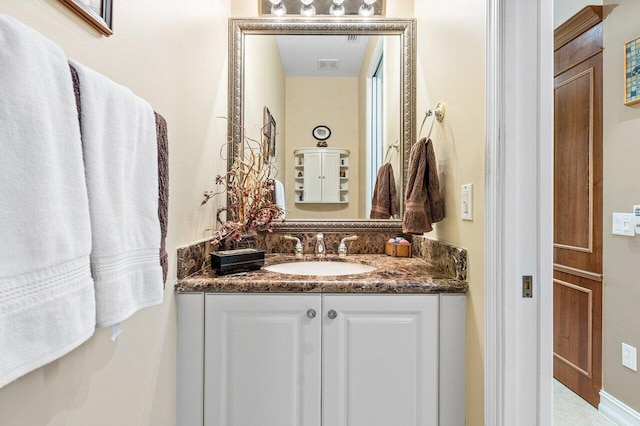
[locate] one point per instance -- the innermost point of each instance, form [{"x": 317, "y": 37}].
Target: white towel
[
  {"x": 120, "y": 154},
  {"x": 280, "y": 198},
  {"x": 47, "y": 304}
]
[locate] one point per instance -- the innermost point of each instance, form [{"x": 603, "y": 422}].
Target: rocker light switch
[
  {"x": 466, "y": 202},
  {"x": 623, "y": 224}
]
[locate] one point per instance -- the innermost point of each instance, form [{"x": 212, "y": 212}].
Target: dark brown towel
[
  {"x": 385, "y": 200},
  {"x": 76, "y": 92},
  {"x": 163, "y": 189},
  {"x": 423, "y": 205}
]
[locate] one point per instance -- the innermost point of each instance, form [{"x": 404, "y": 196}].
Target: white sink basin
[{"x": 328, "y": 268}]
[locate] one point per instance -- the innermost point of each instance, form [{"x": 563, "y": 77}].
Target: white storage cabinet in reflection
[{"x": 321, "y": 175}]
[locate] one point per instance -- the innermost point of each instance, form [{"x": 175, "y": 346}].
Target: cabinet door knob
[
  {"x": 311, "y": 313},
  {"x": 332, "y": 314}
]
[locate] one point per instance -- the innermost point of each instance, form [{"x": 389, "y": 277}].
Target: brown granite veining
[
  {"x": 443, "y": 256},
  {"x": 367, "y": 243},
  {"x": 193, "y": 258},
  {"x": 393, "y": 275}
]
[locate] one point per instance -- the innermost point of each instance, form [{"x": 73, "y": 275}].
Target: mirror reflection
[{"x": 334, "y": 103}]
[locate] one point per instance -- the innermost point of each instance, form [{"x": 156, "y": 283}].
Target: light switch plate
[
  {"x": 623, "y": 224},
  {"x": 466, "y": 202}
]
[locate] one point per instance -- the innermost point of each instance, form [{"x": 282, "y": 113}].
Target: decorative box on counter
[
  {"x": 234, "y": 261},
  {"x": 398, "y": 250}
]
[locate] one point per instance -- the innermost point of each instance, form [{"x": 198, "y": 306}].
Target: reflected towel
[
  {"x": 385, "y": 200},
  {"x": 279, "y": 197},
  {"x": 47, "y": 302},
  {"x": 423, "y": 204},
  {"x": 121, "y": 165}
]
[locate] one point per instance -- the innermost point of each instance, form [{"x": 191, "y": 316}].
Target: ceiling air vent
[
  {"x": 352, "y": 38},
  {"x": 328, "y": 64}
]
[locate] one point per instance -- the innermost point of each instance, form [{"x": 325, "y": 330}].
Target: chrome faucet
[
  {"x": 342, "y": 248},
  {"x": 320, "y": 248},
  {"x": 298, "y": 247}
]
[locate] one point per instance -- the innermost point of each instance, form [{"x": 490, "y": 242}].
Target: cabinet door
[
  {"x": 380, "y": 360},
  {"x": 331, "y": 177},
  {"x": 313, "y": 177},
  {"x": 262, "y": 360}
]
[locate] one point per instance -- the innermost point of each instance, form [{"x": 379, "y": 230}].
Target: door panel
[
  {"x": 577, "y": 253},
  {"x": 262, "y": 362},
  {"x": 573, "y": 163},
  {"x": 313, "y": 177},
  {"x": 331, "y": 178},
  {"x": 380, "y": 364},
  {"x": 577, "y": 339}
]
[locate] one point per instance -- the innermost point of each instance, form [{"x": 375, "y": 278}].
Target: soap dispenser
[{"x": 320, "y": 248}]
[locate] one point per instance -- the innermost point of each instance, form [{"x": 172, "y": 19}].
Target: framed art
[
  {"x": 269, "y": 133},
  {"x": 632, "y": 72},
  {"x": 96, "y": 12}
]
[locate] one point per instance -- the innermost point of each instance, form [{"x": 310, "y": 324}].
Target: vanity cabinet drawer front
[
  {"x": 262, "y": 360},
  {"x": 380, "y": 360}
]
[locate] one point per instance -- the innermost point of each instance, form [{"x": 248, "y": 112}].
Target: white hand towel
[
  {"x": 280, "y": 198},
  {"x": 120, "y": 154},
  {"x": 47, "y": 302}
]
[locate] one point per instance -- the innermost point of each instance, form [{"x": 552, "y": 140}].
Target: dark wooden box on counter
[{"x": 233, "y": 261}]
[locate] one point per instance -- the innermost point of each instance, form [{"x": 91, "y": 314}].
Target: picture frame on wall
[
  {"x": 632, "y": 72},
  {"x": 97, "y": 12},
  {"x": 269, "y": 134}
]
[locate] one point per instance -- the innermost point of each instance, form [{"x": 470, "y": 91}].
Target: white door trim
[{"x": 518, "y": 212}]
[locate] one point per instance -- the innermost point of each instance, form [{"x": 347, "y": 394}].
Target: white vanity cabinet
[
  {"x": 321, "y": 175},
  {"x": 321, "y": 359}
]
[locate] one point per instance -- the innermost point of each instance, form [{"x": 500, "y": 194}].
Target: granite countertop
[{"x": 393, "y": 275}]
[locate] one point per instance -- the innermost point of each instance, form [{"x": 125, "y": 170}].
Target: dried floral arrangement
[{"x": 249, "y": 190}]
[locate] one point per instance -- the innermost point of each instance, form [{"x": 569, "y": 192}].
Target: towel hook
[{"x": 438, "y": 114}]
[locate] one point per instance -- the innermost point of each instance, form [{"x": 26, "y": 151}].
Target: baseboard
[{"x": 618, "y": 412}]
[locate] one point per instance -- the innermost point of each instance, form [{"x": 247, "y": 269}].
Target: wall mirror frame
[{"x": 405, "y": 28}]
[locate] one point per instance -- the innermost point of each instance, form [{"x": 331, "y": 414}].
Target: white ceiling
[{"x": 300, "y": 54}]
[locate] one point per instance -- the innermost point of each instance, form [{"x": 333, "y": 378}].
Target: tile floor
[{"x": 571, "y": 410}]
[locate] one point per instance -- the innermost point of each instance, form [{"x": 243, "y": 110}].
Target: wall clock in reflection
[{"x": 321, "y": 133}]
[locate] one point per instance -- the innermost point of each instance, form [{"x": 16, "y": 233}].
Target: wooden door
[
  {"x": 380, "y": 360},
  {"x": 577, "y": 278},
  {"x": 262, "y": 360}
]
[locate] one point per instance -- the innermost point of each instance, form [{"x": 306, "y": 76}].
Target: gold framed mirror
[{"x": 241, "y": 36}]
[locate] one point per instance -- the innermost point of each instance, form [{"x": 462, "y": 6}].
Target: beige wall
[
  {"x": 264, "y": 85},
  {"x": 621, "y": 296},
  {"x": 451, "y": 69},
  {"x": 322, "y": 101},
  {"x": 173, "y": 55}
]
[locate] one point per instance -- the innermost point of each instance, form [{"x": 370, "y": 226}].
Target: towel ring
[{"x": 438, "y": 114}]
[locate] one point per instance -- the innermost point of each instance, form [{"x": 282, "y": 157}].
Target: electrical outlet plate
[{"x": 629, "y": 358}]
